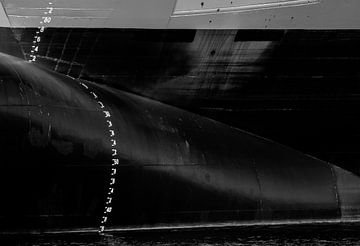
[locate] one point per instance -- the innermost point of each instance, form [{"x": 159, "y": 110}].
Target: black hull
[
  {"x": 175, "y": 168},
  {"x": 303, "y": 83}
]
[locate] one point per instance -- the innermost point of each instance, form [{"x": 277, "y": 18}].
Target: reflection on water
[{"x": 339, "y": 234}]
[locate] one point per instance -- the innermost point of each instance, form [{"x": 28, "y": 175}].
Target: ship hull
[
  {"x": 302, "y": 83},
  {"x": 174, "y": 167}
]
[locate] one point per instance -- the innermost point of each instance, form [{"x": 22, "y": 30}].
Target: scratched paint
[
  {"x": 114, "y": 158},
  {"x": 45, "y": 20}
]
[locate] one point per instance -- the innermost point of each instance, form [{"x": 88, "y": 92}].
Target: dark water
[{"x": 339, "y": 234}]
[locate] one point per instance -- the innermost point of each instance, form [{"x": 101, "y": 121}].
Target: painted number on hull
[{"x": 41, "y": 28}]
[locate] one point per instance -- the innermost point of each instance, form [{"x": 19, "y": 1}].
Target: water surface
[{"x": 334, "y": 234}]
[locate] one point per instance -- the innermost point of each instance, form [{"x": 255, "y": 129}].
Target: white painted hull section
[{"x": 184, "y": 14}]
